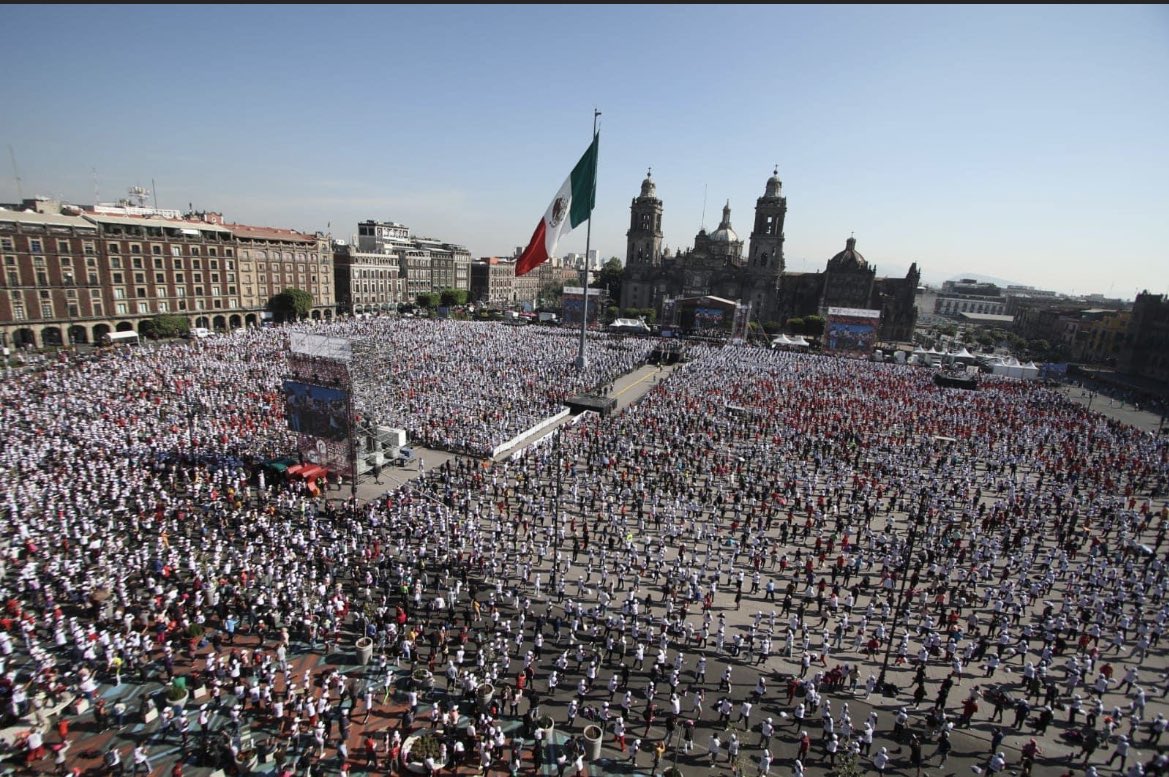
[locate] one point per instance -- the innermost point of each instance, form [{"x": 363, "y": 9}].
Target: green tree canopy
[
  {"x": 427, "y": 300},
  {"x": 169, "y": 325},
  {"x": 291, "y": 304},
  {"x": 813, "y": 326},
  {"x": 610, "y": 278},
  {"x": 450, "y": 298}
]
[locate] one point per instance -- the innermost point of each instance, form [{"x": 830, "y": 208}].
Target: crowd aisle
[{"x": 716, "y": 576}]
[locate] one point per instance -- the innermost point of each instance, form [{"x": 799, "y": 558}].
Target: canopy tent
[
  {"x": 794, "y": 342},
  {"x": 964, "y": 354}
]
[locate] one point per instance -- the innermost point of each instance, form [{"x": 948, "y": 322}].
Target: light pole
[
  {"x": 556, "y": 499},
  {"x": 911, "y": 541}
]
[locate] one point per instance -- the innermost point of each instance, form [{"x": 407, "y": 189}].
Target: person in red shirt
[{"x": 969, "y": 707}]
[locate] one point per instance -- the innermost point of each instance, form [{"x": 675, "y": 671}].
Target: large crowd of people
[{"x": 748, "y": 566}]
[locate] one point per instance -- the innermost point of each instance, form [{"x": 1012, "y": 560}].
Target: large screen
[
  {"x": 850, "y": 331},
  {"x": 317, "y": 411},
  {"x": 708, "y": 316}
]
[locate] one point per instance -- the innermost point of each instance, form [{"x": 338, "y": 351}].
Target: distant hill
[{"x": 986, "y": 279}]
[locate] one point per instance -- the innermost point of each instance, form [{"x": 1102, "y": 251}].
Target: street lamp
[
  {"x": 911, "y": 541},
  {"x": 556, "y": 462}
]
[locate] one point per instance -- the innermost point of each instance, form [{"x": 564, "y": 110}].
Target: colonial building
[
  {"x": 427, "y": 265},
  {"x": 1146, "y": 352},
  {"x": 717, "y": 266},
  {"x": 73, "y": 274},
  {"x": 849, "y": 281},
  {"x": 366, "y": 281},
  {"x": 493, "y": 281}
]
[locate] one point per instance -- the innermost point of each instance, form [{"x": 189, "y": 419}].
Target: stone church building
[{"x": 718, "y": 266}]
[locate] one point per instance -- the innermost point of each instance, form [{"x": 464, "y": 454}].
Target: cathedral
[{"x": 717, "y": 267}]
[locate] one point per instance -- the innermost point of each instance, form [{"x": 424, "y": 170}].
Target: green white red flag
[{"x": 569, "y": 209}]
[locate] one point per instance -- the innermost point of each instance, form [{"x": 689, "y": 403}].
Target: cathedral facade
[{"x": 717, "y": 266}]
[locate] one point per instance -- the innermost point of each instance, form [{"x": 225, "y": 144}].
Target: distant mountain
[{"x": 986, "y": 279}]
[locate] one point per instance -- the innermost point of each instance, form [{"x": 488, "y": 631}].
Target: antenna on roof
[
  {"x": 703, "y": 224},
  {"x": 154, "y": 191},
  {"x": 15, "y": 173},
  {"x": 96, "y": 198}
]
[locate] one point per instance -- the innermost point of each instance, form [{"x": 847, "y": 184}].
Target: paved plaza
[{"x": 721, "y": 565}]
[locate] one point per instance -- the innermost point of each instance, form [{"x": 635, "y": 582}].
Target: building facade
[
  {"x": 1146, "y": 352},
  {"x": 73, "y": 274},
  {"x": 970, "y": 296},
  {"x": 493, "y": 281},
  {"x": 720, "y": 264},
  {"x": 427, "y": 264},
  {"x": 367, "y": 282}
]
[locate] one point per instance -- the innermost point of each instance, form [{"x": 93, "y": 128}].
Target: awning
[
  {"x": 281, "y": 464},
  {"x": 313, "y": 471}
]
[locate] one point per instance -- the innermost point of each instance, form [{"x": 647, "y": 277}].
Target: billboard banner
[
  {"x": 317, "y": 411},
  {"x": 572, "y": 303},
  {"x": 851, "y": 331},
  {"x": 320, "y": 347}
]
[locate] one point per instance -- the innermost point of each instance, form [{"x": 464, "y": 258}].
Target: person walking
[{"x": 1120, "y": 751}]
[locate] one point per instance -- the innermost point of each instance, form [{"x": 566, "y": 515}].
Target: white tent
[
  {"x": 781, "y": 340},
  {"x": 1030, "y": 371},
  {"x": 799, "y": 341},
  {"x": 964, "y": 354}
]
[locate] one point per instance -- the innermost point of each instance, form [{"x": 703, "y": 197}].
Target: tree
[
  {"x": 427, "y": 300},
  {"x": 948, "y": 329},
  {"x": 551, "y": 293},
  {"x": 291, "y": 304},
  {"x": 169, "y": 325},
  {"x": 795, "y": 326},
  {"x": 450, "y": 298},
  {"x": 813, "y": 326},
  {"x": 610, "y": 277}
]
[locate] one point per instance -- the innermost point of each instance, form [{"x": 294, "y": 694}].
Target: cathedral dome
[
  {"x": 648, "y": 187},
  {"x": 724, "y": 233},
  {"x": 774, "y": 185},
  {"x": 849, "y": 258}
]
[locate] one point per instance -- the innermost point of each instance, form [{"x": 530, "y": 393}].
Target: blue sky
[{"x": 1029, "y": 143}]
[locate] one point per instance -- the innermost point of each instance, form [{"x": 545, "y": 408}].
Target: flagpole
[{"x": 581, "y": 360}]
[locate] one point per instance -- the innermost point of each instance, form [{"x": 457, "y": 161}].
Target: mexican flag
[{"x": 569, "y": 209}]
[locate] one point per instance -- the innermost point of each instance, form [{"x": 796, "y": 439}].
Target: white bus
[{"x": 116, "y": 338}]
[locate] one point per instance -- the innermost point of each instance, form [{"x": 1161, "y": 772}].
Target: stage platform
[{"x": 583, "y": 402}]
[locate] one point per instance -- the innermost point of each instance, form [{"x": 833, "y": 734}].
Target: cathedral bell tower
[
  {"x": 766, "y": 254},
  {"x": 644, "y": 238},
  {"x": 764, "y": 265}
]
